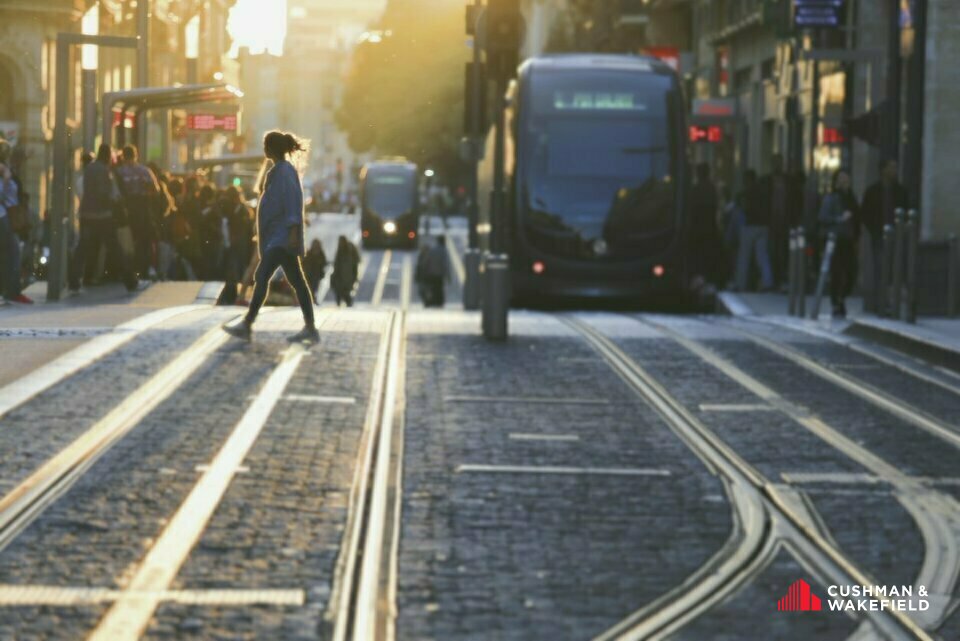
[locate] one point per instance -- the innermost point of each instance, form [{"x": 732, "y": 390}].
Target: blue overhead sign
[{"x": 818, "y": 14}]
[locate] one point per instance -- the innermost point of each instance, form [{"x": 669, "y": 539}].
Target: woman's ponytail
[{"x": 280, "y": 144}]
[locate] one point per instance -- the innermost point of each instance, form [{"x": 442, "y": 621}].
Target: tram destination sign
[{"x": 818, "y": 14}]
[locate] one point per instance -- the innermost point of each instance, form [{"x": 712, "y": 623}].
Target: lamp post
[
  {"x": 191, "y": 41},
  {"x": 89, "y": 61}
]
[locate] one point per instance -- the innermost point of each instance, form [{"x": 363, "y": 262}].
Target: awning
[{"x": 148, "y": 98}]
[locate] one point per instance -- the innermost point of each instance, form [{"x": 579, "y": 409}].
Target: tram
[{"x": 389, "y": 203}]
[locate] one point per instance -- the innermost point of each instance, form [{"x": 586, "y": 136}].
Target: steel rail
[
  {"x": 350, "y": 610},
  {"x": 51, "y": 480},
  {"x": 811, "y": 547},
  {"x": 899, "y": 408}
]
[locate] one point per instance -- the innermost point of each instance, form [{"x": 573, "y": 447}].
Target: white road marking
[
  {"x": 129, "y": 616},
  {"x": 734, "y": 407},
  {"x": 456, "y": 262},
  {"x": 543, "y": 437},
  {"x": 51, "y": 595},
  {"x": 21, "y": 504},
  {"x": 304, "y": 398},
  {"x": 525, "y": 399},
  {"x": 46, "y": 376},
  {"x": 548, "y": 469},
  {"x": 406, "y": 281},
  {"x": 381, "y": 278}
]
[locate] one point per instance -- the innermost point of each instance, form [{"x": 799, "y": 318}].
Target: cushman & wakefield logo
[{"x": 855, "y": 598}]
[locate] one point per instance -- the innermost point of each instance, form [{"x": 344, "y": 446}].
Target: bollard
[
  {"x": 953, "y": 276},
  {"x": 792, "y": 274},
  {"x": 886, "y": 268},
  {"x": 913, "y": 246},
  {"x": 472, "y": 284},
  {"x": 824, "y": 274},
  {"x": 496, "y": 296},
  {"x": 801, "y": 272},
  {"x": 898, "y": 262}
]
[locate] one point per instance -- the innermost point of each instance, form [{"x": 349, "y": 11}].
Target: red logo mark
[{"x": 799, "y": 597}]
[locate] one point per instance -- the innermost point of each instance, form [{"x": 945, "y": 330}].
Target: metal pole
[
  {"x": 143, "y": 70},
  {"x": 89, "y": 80},
  {"x": 913, "y": 152},
  {"x": 496, "y": 295},
  {"x": 898, "y": 261},
  {"x": 792, "y": 274},
  {"x": 499, "y": 197},
  {"x": 191, "y": 80},
  {"x": 913, "y": 246},
  {"x": 824, "y": 274},
  {"x": 476, "y": 139},
  {"x": 953, "y": 276},
  {"x": 60, "y": 190},
  {"x": 892, "y": 107},
  {"x": 886, "y": 270},
  {"x": 801, "y": 271}
]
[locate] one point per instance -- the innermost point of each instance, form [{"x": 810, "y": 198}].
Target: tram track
[
  {"x": 791, "y": 525},
  {"x": 909, "y": 413},
  {"x": 934, "y": 512},
  {"x": 33, "y": 495},
  {"x": 362, "y": 606}
]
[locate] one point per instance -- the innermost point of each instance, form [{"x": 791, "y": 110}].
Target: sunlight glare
[{"x": 260, "y": 25}]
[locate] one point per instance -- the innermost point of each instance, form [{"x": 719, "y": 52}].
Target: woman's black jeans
[{"x": 269, "y": 262}]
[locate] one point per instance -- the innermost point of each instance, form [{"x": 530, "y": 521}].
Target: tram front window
[
  {"x": 598, "y": 176},
  {"x": 390, "y": 194}
]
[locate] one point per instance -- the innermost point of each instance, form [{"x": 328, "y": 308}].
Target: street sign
[
  {"x": 818, "y": 14},
  {"x": 710, "y": 134},
  {"x": 211, "y": 122},
  {"x": 715, "y": 107}
]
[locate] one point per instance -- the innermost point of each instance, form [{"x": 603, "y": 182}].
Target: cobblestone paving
[
  {"x": 96, "y": 533},
  {"x": 874, "y": 530},
  {"x": 770, "y": 441},
  {"x": 280, "y": 525},
  {"x": 931, "y": 399},
  {"x": 752, "y": 612},
  {"x": 909, "y": 448},
  {"x": 533, "y": 556},
  {"x": 35, "y": 431}
]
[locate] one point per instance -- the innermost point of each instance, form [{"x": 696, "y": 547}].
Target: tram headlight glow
[{"x": 390, "y": 227}]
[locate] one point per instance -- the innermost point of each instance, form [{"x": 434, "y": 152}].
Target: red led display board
[{"x": 211, "y": 122}]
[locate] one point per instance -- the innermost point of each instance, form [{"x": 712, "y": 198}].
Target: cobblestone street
[{"x": 597, "y": 476}]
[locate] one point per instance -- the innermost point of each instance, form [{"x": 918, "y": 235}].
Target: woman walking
[
  {"x": 280, "y": 232},
  {"x": 840, "y": 214}
]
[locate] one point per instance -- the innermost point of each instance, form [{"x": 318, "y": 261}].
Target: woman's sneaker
[
  {"x": 305, "y": 335},
  {"x": 241, "y": 330}
]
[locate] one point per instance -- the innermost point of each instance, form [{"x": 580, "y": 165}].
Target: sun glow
[{"x": 260, "y": 25}]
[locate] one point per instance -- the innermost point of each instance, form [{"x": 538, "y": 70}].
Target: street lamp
[
  {"x": 428, "y": 173},
  {"x": 89, "y": 61}
]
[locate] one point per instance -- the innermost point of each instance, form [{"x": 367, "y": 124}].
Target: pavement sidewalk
[
  {"x": 34, "y": 335},
  {"x": 933, "y": 339}
]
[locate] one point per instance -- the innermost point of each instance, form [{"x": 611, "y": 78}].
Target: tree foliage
[{"x": 404, "y": 94}]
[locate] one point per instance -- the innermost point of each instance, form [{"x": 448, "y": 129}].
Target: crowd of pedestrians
[
  {"x": 137, "y": 222},
  {"x": 741, "y": 240},
  {"x": 15, "y": 227}
]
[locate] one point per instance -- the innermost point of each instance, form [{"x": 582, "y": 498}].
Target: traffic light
[{"x": 504, "y": 34}]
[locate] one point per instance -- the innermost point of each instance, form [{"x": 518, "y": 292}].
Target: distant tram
[
  {"x": 389, "y": 203},
  {"x": 597, "y": 178}
]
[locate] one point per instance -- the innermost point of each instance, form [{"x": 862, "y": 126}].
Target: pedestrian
[
  {"x": 236, "y": 229},
  {"x": 346, "y": 267},
  {"x": 776, "y": 192},
  {"x": 732, "y": 220},
  {"x": 9, "y": 242},
  {"x": 315, "y": 265},
  {"x": 754, "y": 235},
  {"x": 211, "y": 234},
  {"x": 705, "y": 239},
  {"x": 437, "y": 271},
  {"x": 880, "y": 201},
  {"x": 280, "y": 233},
  {"x": 139, "y": 188},
  {"x": 97, "y": 230},
  {"x": 840, "y": 214}
]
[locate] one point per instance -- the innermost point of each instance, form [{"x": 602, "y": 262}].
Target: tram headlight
[{"x": 390, "y": 227}]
